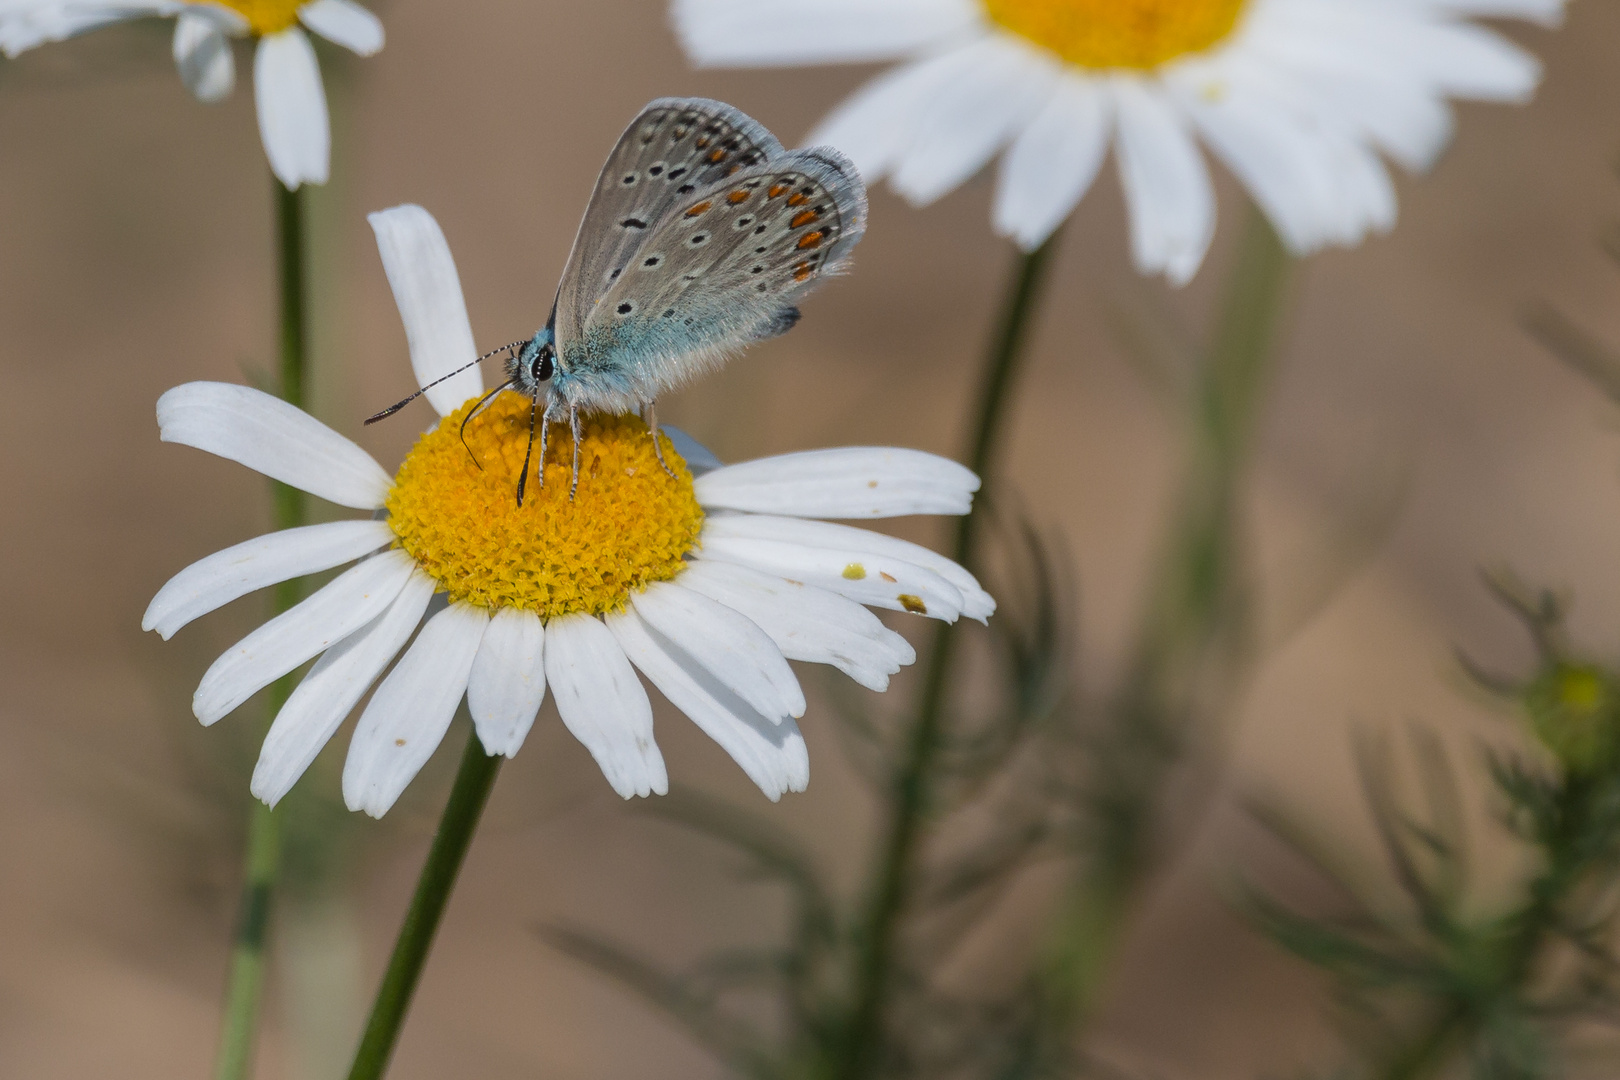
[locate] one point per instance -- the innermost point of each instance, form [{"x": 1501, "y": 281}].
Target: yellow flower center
[
  {"x": 629, "y": 524},
  {"x": 1119, "y": 33},
  {"x": 266, "y": 16}
]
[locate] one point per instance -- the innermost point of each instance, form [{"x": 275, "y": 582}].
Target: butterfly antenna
[
  {"x": 398, "y": 405},
  {"x": 523, "y": 477},
  {"x": 476, "y": 409}
]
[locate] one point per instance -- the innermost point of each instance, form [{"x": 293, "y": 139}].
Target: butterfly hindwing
[
  {"x": 674, "y": 148},
  {"x": 722, "y": 268}
]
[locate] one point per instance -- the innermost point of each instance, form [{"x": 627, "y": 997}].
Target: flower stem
[
  {"x": 860, "y": 1052},
  {"x": 468, "y": 796},
  {"x": 245, "y": 983},
  {"x": 1192, "y": 640}
]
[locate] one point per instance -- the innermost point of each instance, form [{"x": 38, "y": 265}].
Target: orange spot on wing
[
  {"x": 777, "y": 189},
  {"x": 703, "y": 141},
  {"x": 717, "y": 155},
  {"x": 801, "y": 272},
  {"x": 700, "y": 208},
  {"x": 810, "y": 240},
  {"x": 804, "y": 217},
  {"x": 740, "y": 195},
  {"x": 798, "y": 199}
]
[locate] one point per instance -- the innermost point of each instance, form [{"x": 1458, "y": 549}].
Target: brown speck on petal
[{"x": 913, "y": 604}]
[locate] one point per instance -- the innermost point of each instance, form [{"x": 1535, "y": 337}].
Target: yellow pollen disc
[
  {"x": 1119, "y": 33},
  {"x": 266, "y": 16},
  {"x": 629, "y": 524}
]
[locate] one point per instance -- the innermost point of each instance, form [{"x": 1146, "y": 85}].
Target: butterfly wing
[
  {"x": 722, "y": 267},
  {"x": 674, "y": 148}
]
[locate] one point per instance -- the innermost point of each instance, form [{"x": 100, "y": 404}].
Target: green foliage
[{"x": 1435, "y": 982}]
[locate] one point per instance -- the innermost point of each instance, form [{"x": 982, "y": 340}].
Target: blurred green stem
[
  {"x": 245, "y": 983},
  {"x": 1192, "y": 636},
  {"x": 859, "y": 1053},
  {"x": 468, "y": 796}
]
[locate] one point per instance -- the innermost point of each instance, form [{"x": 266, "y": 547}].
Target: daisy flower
[
  {"x": 707, "y": 582},
  {"x": 1299, "y": 98},
  {"x": 286, "y": 78}
]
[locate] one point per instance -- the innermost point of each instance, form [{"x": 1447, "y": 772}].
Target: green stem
[
  {"x": 860, "y": 1050},
  {"x": 468, "y": 796},
  {"x": 1191, "y": 640},
  {"x": 245, "y": 982}
]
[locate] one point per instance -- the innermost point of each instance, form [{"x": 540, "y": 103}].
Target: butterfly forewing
[
  {"x": 723, "y": 268},
  {"x": 675, "y": 148}
]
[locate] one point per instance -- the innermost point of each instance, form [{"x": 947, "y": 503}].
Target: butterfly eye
[{"x": 543, "y": 365}]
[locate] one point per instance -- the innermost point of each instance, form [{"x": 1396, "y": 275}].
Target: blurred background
[{"x": 1415, "y": 434}]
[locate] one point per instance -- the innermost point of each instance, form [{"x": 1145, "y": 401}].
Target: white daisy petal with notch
[
  {"x": 427, "y": 289},
  {"x": 1468, "y": 61},
  {"x": 344, "y": 23},
  {"x": 845, "y": 482},
  {"x": 856, "y": 573},
  {"x": 291, "y": 104},
  {"x": 770, "y": 750},
  {"x": 309, "y": 628},
  {"x": 968, "y": 120},
  {"x": 406, "y": 718},
  {"x": 215, "y": 581},
  {"x": 1168, "y": 193},
  {"x": 806, "y": 623},
  {"x": 875, "y": 125},
  {"x": 508, "y": 681},
  {"x": 603, "y": 704},
  {"x": 203, "y": 54},
  {"x": 974, "y": 602},
  {"x": 1052, "y": 162},
  {"x": 718, "y": 33},
  {"x": 333, "y": 687},
  {"x": 272, "y": 437},
  {"x": 739, "y": 655}
]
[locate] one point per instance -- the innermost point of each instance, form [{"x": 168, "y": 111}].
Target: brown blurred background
[{"x": 1414, "y": 435}]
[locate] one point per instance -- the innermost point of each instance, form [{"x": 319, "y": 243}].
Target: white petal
[
  {"x": 345, "y": 23},
  {"x": 203, "y": 55},
  {"x": 1167, "y": 188},
  {"x": 805, "y": 622},
  {"x": 265, "y": 560},
  {"x": 292, "y": 108},
  {"x": 601, "y": 701},
  {"x": 1052, "y": 163},
  {"x": 966, "y": 121},
  {"x": 965, "y": 590},
  {"x": 885, "y": 583},
  {"x": 699, "y": 458},
  {"x": 272, "y": 437},
  {"x": 24, "y": 25},
  {"x": 846, "y": 482},
  {"x": 739, "y": 654},
  {"x": 343, "y": 606},
  {"x": 875, "y": 125},
  {"x": 406, "y": 718},
  {"x": 747, "y": 33},
  {"x": 771, "y": 751},
  {"x": 508, "y": 680},
  {"x": 427, "y": 289},
  {"x": 337, "y": 682}
]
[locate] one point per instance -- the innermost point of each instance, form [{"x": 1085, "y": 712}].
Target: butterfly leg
[
  {"x": 649, "y": 413},
  {"x": 573, "y": 424},
  {"x": 523, "y": 477}
]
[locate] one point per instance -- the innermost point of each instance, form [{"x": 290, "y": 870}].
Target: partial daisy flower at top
[
  {"x": 708, "y": 581},
  {"x": 1298, "y": 97},
  {"x": 286, "y": 78}
]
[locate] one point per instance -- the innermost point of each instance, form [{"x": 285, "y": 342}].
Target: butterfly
[{"x": 701, "y": 235}]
